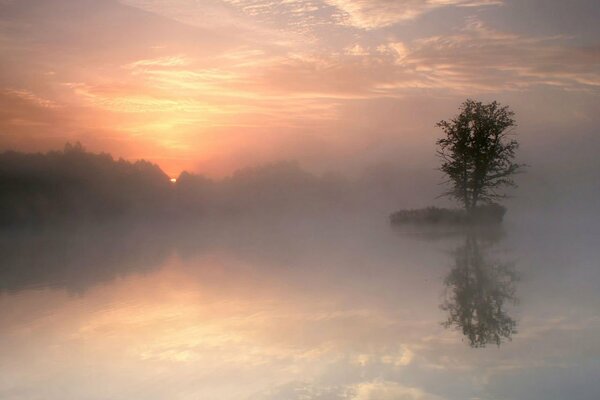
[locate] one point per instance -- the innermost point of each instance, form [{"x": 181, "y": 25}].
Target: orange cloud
[{"x": 203, "y": 82}]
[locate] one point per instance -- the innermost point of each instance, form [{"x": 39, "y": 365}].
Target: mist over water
[
  {"x": 277, "y": 283},
  {"x": 247, "y": 205},
  {"x": 324, "y": 305}
]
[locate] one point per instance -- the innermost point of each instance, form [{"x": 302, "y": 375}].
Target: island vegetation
[{"x": 477, "y": 155}]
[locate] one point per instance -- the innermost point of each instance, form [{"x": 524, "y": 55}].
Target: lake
[{"x": 334, "y": 307}]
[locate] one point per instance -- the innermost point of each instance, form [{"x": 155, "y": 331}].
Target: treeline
[
  {"x": 76, "y": 185},
  {"x": 278, "y": 187}
]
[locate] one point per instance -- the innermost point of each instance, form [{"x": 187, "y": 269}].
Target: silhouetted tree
[
  {"x": 477, "y": 153},
  {"x": 476, "y": 297},
  {"x": 74, "y": 184},
  {"x": 77, "y": 185}
]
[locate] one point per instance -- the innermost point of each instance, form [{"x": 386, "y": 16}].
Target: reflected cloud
[
  {"x": 368, "y": 390},
  {"x": 383, "y": 390},
  {"x": 289, "y": 311}
]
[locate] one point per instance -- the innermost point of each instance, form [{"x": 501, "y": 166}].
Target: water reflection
[
  {"x": 76, "y": 258},
  {"x": 309, "y": 310},
  {"x": 478, "y": 291}
]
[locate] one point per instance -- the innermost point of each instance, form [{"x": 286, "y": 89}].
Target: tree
[{"x": 477, "y": 153}]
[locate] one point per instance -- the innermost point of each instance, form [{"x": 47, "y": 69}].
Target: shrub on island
[{"x": 486, "y": 214}]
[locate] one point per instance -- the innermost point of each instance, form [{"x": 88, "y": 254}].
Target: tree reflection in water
[{"x": 477, "y": 293}]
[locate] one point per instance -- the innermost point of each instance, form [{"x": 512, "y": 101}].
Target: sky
[{"x": 214, "y": 85}]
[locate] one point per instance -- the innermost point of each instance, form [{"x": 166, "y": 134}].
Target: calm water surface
[{"x": 328, "y": 308}]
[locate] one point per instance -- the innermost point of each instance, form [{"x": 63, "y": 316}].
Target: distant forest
[{"x": 77, "y": 185}]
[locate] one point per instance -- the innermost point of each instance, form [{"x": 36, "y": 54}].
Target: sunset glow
[
  {"x": 216, "y": 85},
  {"x": 299, "y": 199}
]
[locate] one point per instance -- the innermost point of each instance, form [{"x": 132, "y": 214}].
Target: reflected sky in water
[{"x": 334, "y": 308}]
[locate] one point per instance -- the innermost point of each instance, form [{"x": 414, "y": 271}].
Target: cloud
[
  {"x": 166, "y": 61},
  {"x": 255, "y": 18},
  {"x": 303, "y": 15},
  {"x": 297, "y": 15},
  {"x": 211, "y": 76},
  {"x": 480, "y": 58},
  {"x": 472, "y": 59},
  {"x": 373, "y": 14},
  {"x": 29, "y": 96}
]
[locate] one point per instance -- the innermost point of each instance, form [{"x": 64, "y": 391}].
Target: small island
[{"x": 477, "y": 154}]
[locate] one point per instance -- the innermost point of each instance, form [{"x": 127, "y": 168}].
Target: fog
[
  {"x": 277, "y": 283},
  {"x": 333, "y": 303},
  {"x": 196, "y": 201}
]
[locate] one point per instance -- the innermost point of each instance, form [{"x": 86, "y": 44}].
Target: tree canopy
[{"x": 477, "y": 153}]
